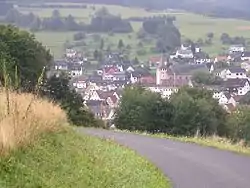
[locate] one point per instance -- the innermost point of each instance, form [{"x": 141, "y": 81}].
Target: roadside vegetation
[
  {"x": 39, "y": 149},
  {"x": 191, "y": 115}
]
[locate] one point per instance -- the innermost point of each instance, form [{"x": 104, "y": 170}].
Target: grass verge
[
  {"x": 66, "y": 159},
  {"x": 213, "y": 141}
]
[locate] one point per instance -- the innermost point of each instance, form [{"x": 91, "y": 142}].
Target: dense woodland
[{"x": 190, "y": 112}]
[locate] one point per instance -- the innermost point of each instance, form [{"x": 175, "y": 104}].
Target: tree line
[
  {"x": 25, "y": 64},
  {"x": 102, "y": 21},
  {"x": 189, "y": 112},
  {"x": 223, "y": 8},
  {"x": 163, "y": 29}
]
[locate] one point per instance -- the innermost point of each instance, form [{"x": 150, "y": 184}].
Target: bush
[
  {"x": 141, "y": 52},
  {"x": 58, "y": 89},
  {"x": 79, "y": 36},
  {"x": 189, "y": 111}
]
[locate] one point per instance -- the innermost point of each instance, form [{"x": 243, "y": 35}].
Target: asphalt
[{"x": 187, "y": 165}]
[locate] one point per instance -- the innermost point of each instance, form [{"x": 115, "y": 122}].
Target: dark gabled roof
[
  {"x": 120, "y": 82},
  {"x": 60, "y": 63},
  {"x": 188, "y": 69},
  {"x": 227, "y": 94},
  {"x": 209, "y": 65},
  {"x": 245, "y": 54},
  {"x": 234, "y": 83},
  {"x": 95, "y": 102},
  {"x": 126, "y": 66},
  {"x": 93, "y": 78},
  {"x": 105, "y": 94},
  {"x": 237, "y": 70},
  {"x": 141, "y": 71},
  {"x": 201, "y": 55}
]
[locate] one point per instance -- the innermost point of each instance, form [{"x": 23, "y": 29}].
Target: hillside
[
  {"x": 38, "y": 149},
  {"x": 63, "y": 160},
  {"x": 222, "y": 8}
]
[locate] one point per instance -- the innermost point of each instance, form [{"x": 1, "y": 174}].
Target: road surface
[{"x": 187, "y": 165}]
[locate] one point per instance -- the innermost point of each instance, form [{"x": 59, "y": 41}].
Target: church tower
[{"x": 162, "y": 72}]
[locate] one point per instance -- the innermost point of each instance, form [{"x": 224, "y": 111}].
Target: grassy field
[
  {"x": 192, "y": 26},
  {"x": 39, "y": 149},
  {"x": 65, "y": 159}
]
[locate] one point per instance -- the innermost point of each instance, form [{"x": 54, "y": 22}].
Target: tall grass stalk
[{"x": 37, "y": 89}]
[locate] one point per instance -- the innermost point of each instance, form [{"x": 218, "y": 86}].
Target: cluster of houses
[{"x": 102, "y": 90}]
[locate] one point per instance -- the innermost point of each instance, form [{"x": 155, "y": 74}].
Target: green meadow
[{"x": 191, "y": 26}]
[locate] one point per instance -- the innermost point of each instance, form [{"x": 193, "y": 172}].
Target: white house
[
  {"x": 60, "y": 65},
  {"x": 70, "y": 53},
  {"x": 76, "y": 72},
  {"x": 237, "y": 86},
  {"x": 222, "y": 97},
  {"x": 164, "y": 91},
  {"x": 236, "y": 48},
  {"x": 184, "y": 54},
  {"x": 245, "y": 65},
  {"x": 232, "y": 73},
  {"x": 245, "y": 56}
]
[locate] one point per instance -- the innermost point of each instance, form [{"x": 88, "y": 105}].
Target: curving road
[{"x": 187, "y": 165}]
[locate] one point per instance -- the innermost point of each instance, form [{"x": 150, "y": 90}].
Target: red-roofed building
[
  {"x": 148, "y": 79},
  {"x": 154, "y": 62}
]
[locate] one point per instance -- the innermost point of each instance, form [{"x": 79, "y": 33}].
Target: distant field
[{"x": 191, "y": 25}]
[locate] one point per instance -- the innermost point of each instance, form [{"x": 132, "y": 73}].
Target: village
[{"x": 102, "y": 89}]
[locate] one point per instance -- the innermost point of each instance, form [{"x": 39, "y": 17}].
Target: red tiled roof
[
  {"x": 221, "y": 58},
  {"x": 148, "y": 79},
  {"x": 156, "y": 59},
  {"x": 110, "y": 70}
]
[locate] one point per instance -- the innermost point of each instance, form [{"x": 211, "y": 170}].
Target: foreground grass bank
[
  {"x": 65, "y": 159},
  {"x": 213, "y": 141},
  {"x": 39, "y": 149}
]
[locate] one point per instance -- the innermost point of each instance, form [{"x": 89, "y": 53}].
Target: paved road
[{"x": 187, "y": 165}]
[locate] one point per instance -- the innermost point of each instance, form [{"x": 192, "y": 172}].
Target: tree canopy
[
  {"x": 189, "y": 111},
  {"x": 20, "y": 49}
]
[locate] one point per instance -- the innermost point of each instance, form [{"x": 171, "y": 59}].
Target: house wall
[
  {"x": 245, "y": 58},
  {"x": 246, "y": 66},
  {"x": 184, "y": 55},
  {"x": 94, "y": 96},
  {"x": 222, "y": 99},
  {"x": 74, "y": 73},
  {"x": 244, "y": 90},
  {"x": 230, "y": 75},
  {"x": 80, "y": 85},
  {"x": 165, "y": 92}
]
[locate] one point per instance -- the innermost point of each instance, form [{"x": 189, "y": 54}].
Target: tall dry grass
[{"x": 24, "y": 116}]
